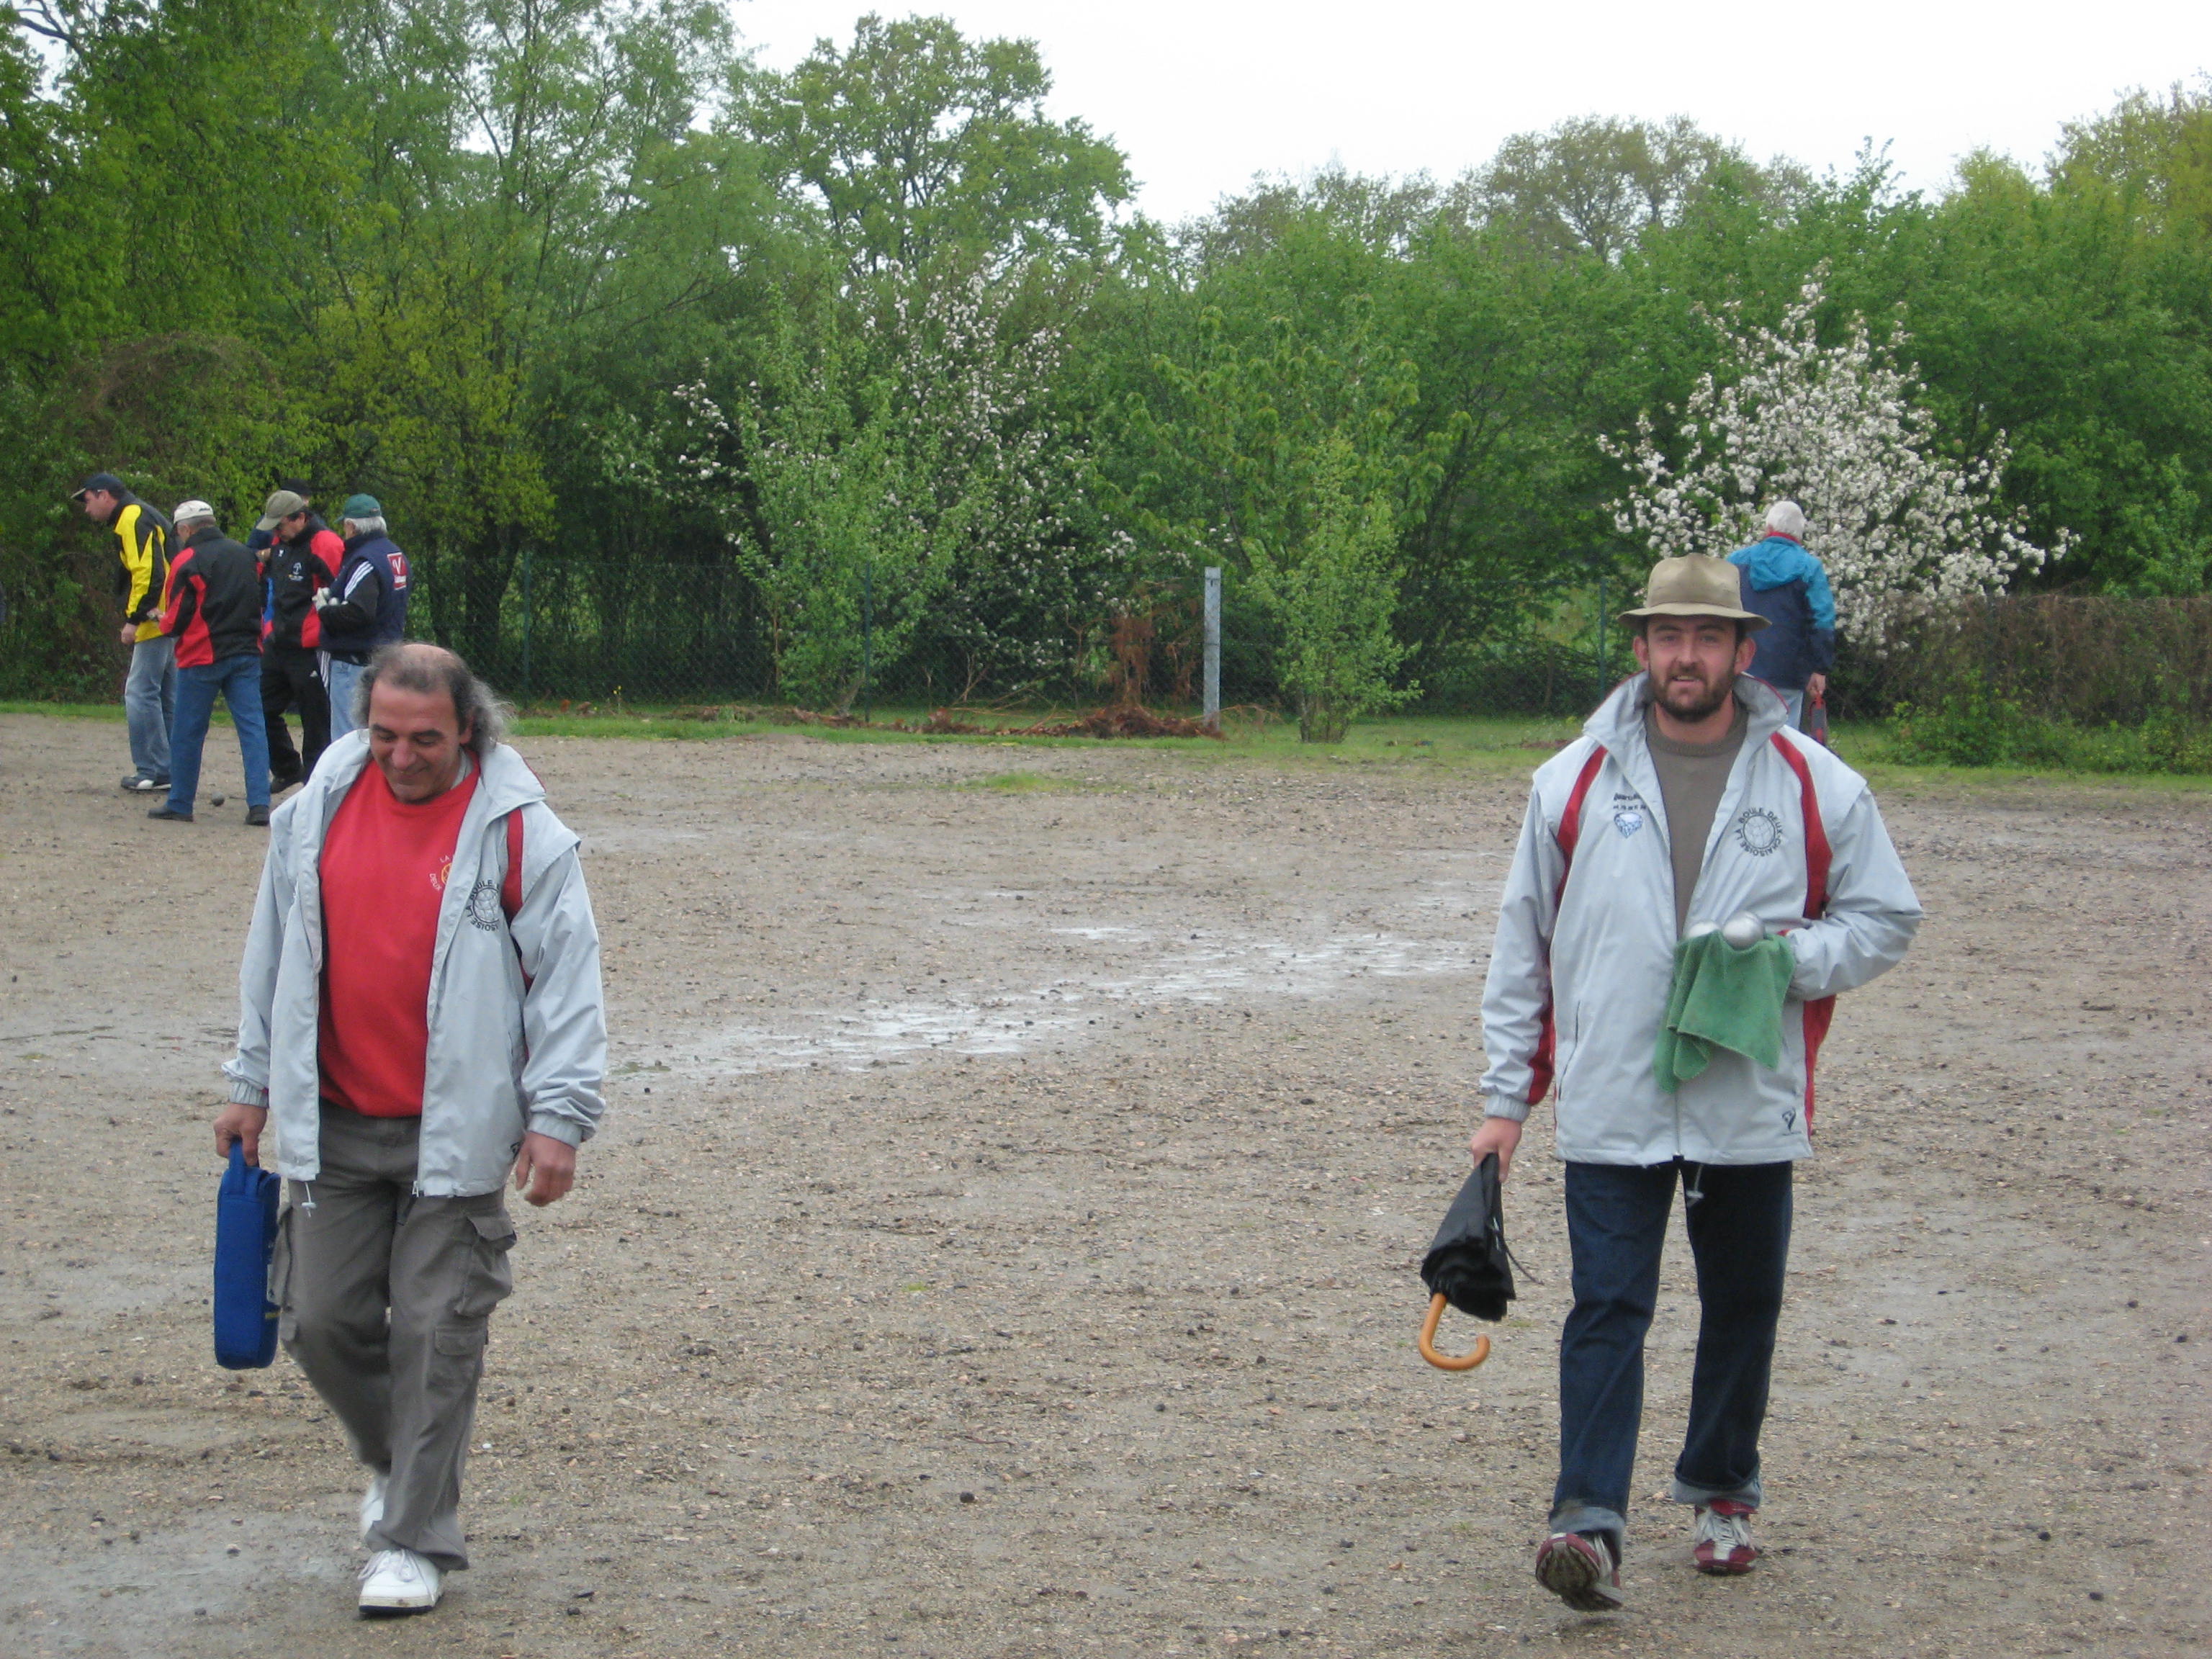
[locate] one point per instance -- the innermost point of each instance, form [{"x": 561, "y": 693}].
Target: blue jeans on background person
[
  {"x": 239, "y": 679},
  {"x": 149, "y": 706},
  {"x": 1795, "y": 702},
  {"x": 342, "y": 678},
  {"x": 1738, "y": 1218}
]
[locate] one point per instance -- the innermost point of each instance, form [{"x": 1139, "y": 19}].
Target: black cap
[{"x": 107, "y": 481}]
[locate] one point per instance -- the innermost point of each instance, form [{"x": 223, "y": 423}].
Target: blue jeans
[
  {"x": 150, "y": 705},
  {"x": 342, "y": 678},
  {"x": 1738, "y": 1217},
  {"x": 239, "y": 679}
]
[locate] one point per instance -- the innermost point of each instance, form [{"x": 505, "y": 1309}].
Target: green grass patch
[
  {"x": 1969, "y": 746},
  {"x": 73, "y": 711},
  {"x": 1014, "y": 783}
]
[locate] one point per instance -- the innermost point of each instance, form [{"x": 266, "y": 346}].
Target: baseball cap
[
  {"x": 191, "y": 509},
  {"x": 361, "y": 506},
  {"x": 107, "y": 481},
  {"x": 280, "y": 506}
]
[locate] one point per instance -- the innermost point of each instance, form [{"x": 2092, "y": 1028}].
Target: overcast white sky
[{"x": 1201, "y": 94}]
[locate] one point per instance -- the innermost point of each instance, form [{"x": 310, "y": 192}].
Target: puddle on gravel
[{"x": 1206, "y": 970}]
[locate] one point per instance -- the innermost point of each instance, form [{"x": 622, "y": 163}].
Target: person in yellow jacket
[{"x": 149, "y": 694}]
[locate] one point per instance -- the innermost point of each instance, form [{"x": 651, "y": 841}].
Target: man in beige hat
[{"x": 1686, "y": 804}]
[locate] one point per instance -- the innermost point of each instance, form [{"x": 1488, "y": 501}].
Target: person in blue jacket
[
  {"x": 364, "y": 610},
  {"x": 1789, "y": 586}
]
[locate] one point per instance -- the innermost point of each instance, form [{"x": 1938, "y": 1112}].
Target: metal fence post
[
  {"x": 525, "y": 625},
  {"x": 867, "y": 644},
  {"x": 1601, "y": 633},
  {"x": 1212, "y": 711}
]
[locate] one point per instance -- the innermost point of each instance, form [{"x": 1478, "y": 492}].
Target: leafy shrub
[{"x": 1975, "y": 728}]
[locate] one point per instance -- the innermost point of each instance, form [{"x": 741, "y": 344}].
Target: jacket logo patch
[
  {"x": 483, "y": 907},
  {"x": 1789, "y": 1119},
  {"x": 1628, "y": 820},
  {"x": 1758, "y": 831}
]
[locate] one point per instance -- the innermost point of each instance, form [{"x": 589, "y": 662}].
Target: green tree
[
  {"x": 916, "y": 143},
  {"x": 1593, "y": 186},
  {"x": 1332, "y": 593}
]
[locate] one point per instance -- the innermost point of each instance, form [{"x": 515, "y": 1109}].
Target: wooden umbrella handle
[{"x": 1444, "y": 1362}]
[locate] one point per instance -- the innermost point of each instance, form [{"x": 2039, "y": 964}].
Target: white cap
[
  {"x": 191, "y": 510},
  {"x": 1787, "y": 517}
]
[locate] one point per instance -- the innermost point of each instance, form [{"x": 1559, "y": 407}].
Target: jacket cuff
[
  {"x": 244, "y": 1094},
  {"x": 1504, "y": 1106},
  {"x": 566, "y": 1130}
]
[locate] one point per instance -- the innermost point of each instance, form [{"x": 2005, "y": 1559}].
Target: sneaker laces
[
  {"x": 399, "y": 1561},
  {"x": 1732, "y": 1530}
]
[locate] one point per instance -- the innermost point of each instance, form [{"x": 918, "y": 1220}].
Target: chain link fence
[{"x": 551, "y": 632}]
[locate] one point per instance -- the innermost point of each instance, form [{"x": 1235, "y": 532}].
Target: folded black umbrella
[{"x": 1468, "y": 1265}]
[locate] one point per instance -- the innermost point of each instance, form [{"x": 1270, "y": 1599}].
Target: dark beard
[{"x": 1707, "y": 702}]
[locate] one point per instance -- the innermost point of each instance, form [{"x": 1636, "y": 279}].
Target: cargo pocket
[
  {"x": 460, "y": 1341},
  {"x": 280, "y": 1279},
  {"x": 489, "y": 1278}
]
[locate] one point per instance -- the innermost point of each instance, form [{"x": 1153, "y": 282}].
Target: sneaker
[
  {"x": 168, "y": 813},
  {"x": 139, "y": 784},
  {"x": 372, "y": 1505},
  {"x": 258, "y": 815},
  {"x": 1580, "y": 1568},
  {"x": 1722, "y": 1537},
  {"x": 398, "y": 1581}
]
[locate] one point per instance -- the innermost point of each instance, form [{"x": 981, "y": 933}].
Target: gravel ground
[{"x": 1002, "y": 1240}]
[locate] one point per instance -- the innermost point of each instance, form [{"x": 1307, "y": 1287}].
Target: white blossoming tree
[{"x": 1840, "y": 430}]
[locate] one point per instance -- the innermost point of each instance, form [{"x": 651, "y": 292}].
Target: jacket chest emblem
[
  {"x": 1629, "y": 814},
  {"x": 484, "y": 907},
  {"x": 1758, "y": 831}
]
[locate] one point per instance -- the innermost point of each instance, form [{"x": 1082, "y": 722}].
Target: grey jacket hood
[
  {"x": 1584, "y": 952},
  {"x": 517, "y": 1017}
]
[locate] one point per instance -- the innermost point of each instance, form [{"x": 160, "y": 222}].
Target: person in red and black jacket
[
  {"x": 302, "y": 560},
  {"x": 211, "y": 609}
]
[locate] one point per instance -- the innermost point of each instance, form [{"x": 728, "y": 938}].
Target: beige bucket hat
[{"x": 1695, "y": 586}]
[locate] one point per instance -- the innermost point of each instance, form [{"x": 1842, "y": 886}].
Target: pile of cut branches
[{"x": 1116, "y": 722}]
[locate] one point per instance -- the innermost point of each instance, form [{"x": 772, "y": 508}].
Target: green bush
[{"x": 1975, "y": 728}]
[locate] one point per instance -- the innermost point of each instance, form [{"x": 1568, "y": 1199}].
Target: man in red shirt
[{"x": 401, "y": 1098}]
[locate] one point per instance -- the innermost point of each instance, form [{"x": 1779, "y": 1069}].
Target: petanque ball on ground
[{"x": 216, "y": 800}]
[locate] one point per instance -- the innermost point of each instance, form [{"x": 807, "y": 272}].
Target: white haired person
[
  {"x": 363, "y": 611},
  {"x": 1686, "y": 803},
  {"x": 420, "y": 1014},
  {"x": 1789, "y": 587}
]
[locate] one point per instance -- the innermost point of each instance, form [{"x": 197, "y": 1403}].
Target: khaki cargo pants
[{"x": 386, "y": 1298}]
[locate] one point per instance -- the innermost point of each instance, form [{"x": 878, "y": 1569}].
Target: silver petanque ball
[{"x": 1743, "y": 932}]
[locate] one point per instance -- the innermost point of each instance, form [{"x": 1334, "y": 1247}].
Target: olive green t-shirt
[{"x": 1691, "y": 776}]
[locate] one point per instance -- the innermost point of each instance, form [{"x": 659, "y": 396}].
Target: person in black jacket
[
  {"x": 211, "y": 611},
  {"x": 302, "y": 558}
]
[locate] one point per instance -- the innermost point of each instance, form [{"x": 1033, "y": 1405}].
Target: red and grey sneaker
[
  {"x": 1721, "y": 1536},
  {"x": 1581, "y": 1569}
]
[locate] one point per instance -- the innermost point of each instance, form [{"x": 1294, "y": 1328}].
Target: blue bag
[{"x": 245, "y": 1237}]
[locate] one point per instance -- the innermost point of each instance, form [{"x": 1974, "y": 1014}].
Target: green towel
[{"x": 1723, "y": 998}]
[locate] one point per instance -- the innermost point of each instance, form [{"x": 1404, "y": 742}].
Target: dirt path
[{"x": 1001, "y": 1242}]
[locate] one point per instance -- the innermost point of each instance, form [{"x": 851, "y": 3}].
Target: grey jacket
[
  {"x": 517, "y": 1019},
  {"x": 1584, "y": 954}
]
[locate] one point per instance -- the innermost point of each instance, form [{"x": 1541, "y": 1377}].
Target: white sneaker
[
  {"x": 399, "y": 1582},
  {"x": 372, "y": 1505},
  {"x": 1720, "y": 1537}
]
